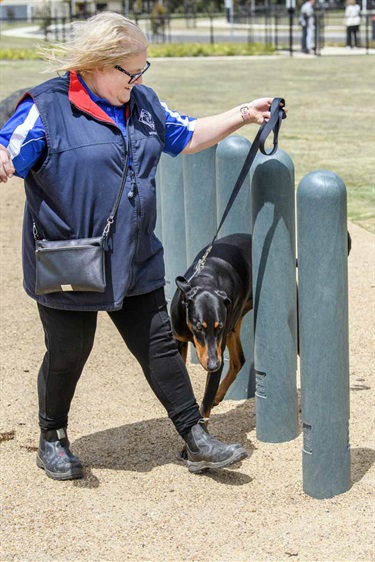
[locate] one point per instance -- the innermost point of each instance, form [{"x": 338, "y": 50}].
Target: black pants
[
  {"x": 352, "y": 36},
  {"x": 144, "y": 325}
]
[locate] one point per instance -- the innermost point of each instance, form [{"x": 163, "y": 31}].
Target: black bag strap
[
  {"x": 111, "y": 218},
  {"x": 272, "y": 125},
  {"x": 112, "y": 215}
]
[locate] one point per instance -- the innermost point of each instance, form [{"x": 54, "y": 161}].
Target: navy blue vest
[{"x": 73, "y": 192}]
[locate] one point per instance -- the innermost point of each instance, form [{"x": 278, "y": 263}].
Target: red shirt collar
[{"x": 79, "y": 96}]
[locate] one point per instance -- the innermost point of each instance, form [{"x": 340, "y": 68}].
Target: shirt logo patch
[{"x": 146, "y": 118}]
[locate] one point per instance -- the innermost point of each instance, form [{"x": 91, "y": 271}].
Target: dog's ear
[
  {"x": 183, "y": 285},
  {"x": 225, "y": 297},
  {"x": 187, "y": 291}
]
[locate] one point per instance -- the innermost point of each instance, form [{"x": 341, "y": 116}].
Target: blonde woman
[
  {"x": 68, "y": 139},
  {"x": 352, "y": 22}
]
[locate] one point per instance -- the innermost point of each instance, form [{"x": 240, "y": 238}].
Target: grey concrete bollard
[
  {"x": 173, "y": 221},
  {"x": 230, "y": 157},
  {"x": 200, "y": 200},
  {"x": 274, "y": 294},
  {"x": 200, "y": 205},
  {"x": 323, "y": 332}
]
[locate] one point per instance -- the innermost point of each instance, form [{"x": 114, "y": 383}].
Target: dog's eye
[
  {"x": 220, "y": 326},
  {"x": 199, "y": 327}
]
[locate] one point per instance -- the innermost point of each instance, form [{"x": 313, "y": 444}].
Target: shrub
[
  {"x": 168, "y": 50},
  {"x": 207, "y": 50},
  {"x": 19, "y": 54}
]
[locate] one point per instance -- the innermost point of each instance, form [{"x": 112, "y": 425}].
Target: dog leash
[{"x": 267, "y": 127}]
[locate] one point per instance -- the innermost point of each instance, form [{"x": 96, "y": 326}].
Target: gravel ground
[{"x": 137, "y": 502}]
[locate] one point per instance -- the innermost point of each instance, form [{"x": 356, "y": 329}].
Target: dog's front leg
[
  {"x": 236, "y": 362},
  {"x": 212, "y": 384},
  {"x": 183, "y": 349}
]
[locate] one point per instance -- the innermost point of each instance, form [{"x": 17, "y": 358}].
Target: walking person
[
  {"x": 69, "y": 139},
  {"x": 306, "y": 21},
  {"x": 352, "y": 23}
]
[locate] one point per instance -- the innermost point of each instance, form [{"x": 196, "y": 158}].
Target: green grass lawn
[{"x": 331, "y": 118}]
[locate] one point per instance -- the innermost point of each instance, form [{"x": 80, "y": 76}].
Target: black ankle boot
[
  {"x": 55, "y": 457},
  {"x": 204, "y": 451}
]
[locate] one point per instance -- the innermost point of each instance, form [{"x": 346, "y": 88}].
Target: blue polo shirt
[{"x": 24, "y": 133}]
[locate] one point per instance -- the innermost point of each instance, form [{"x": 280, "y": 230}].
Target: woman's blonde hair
[{"x": 101, "y": 41}]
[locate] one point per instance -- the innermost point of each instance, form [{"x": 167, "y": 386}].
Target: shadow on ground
[
  {"x": 362, "y": 460},
  {"x": 145, "y": 445}
]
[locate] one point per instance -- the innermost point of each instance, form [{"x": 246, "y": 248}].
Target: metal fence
[{"x": 275, "y": 27}]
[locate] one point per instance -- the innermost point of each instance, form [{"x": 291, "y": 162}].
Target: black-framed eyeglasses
[{"x": 133, "y": 77}]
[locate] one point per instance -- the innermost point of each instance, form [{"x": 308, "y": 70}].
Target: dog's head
[{"x": 206, "y": 317}]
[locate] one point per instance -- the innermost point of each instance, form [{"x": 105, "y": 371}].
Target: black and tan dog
[{"x": 208, "y": 311}]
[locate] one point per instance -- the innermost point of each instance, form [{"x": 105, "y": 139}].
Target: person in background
[
  {"x": 306, "y": 21},
  {"x": 352, "y": 23},
  {"x": 68, "y": 139}
]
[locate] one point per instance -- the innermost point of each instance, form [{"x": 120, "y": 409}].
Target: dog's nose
[{"x": 213, "y": 365}]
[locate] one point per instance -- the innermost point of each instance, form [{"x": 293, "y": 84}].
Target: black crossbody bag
[{"x": 76, "y": 264}]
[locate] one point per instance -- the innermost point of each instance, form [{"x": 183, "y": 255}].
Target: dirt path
[{"x": 136, "y": 502}]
